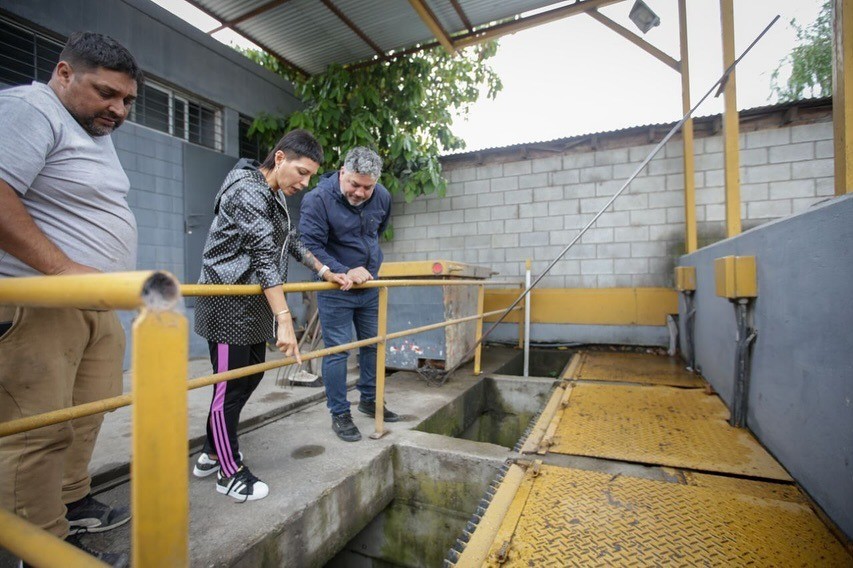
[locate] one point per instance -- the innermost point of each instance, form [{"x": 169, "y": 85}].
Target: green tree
[
  {"x": 810, "y": 61},
  {"x": 403, "y": 108}
]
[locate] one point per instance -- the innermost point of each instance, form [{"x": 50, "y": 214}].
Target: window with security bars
[
  {"x": 175, "y": 113},
  {"x": 249, "y": 146},
  {"x": 27, "y": 56}
]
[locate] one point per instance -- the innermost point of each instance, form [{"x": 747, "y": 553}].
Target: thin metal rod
[
  {"x": 527, "y": 322},
  {"x": 720, "y": 82}
]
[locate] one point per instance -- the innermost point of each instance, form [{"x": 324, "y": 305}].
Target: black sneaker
[
  {"x": 92, "y": 516},
  {"x": 369, "y": 407},
  {"x": 345, "y": 429},
  {"x": 205, "y": 465},
  {"x": 114, "y": 559},
  {"x": 242, "y": 486}
]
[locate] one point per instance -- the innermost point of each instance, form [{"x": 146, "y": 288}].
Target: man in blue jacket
[{"x": 340, "y": 222}]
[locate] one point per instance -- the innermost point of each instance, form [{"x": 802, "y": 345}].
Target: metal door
[{"x": 204, "y": 171}]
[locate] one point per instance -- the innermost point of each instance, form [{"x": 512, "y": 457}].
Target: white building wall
[{"x": 499, "y": 214}]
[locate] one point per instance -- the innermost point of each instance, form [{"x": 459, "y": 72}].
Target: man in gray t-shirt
[{"x": 63, "y": 210}]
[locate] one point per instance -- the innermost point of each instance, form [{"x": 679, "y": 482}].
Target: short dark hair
[
  {"x": 91, "y": 50},
  {"x": 296, "y": 144}
]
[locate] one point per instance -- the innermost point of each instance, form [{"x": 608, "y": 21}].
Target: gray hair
[{"x": 361, "y": 160}]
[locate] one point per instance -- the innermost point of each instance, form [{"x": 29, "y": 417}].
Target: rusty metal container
[{"x": 417, "y": 306}]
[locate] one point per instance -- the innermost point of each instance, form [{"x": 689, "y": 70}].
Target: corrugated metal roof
[
  {"x": 229, "y": 10},
  {"x": 815, "y": 102},
  {"x": 447, "y": 16},
  {"x": 389, "y": 24},
  {"x": 482, "y": 12},
  {"x": 309, "y": 35}
]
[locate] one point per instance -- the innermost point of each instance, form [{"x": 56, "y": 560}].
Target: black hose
[{"x": 745, "y": 337}]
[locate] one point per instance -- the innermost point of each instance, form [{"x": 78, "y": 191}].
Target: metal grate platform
[
  {"x": 683, "y": 428},
  {"x": 569, "y": 517},
  {"x": 639, "y": 368}
]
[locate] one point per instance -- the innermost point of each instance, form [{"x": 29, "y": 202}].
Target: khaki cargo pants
[{"x": 52, "y": 359}]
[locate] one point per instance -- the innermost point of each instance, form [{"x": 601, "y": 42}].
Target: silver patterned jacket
[{"x": 248, "y": 243}]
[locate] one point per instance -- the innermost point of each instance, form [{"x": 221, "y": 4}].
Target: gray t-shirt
[{"x": 71, "y": 183}]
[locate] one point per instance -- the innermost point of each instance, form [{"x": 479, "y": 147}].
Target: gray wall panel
[
  {"x": 168, "y": 48},
  {"x": 801, "y": 393}
]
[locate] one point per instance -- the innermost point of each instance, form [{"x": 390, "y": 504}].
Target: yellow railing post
[
  {"x": 159, "y": 479},
  {"x": 380, "y": 364},
  {"x": 481, "y": 298}
]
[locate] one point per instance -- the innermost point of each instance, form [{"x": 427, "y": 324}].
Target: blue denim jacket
[{"x": 342, "y": 236}]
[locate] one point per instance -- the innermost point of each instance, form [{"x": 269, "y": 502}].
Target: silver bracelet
[{"x": 322, "y": 271}]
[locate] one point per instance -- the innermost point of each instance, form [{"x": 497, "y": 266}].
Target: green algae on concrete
[
  {"x": 496, "y": 411},
  {"x": 436, "y": 491}
]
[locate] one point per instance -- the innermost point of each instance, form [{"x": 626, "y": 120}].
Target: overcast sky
[{"x": 575, "y": 76}]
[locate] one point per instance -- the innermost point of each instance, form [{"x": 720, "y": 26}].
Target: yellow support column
[
  {"x": 731, "y": 127},
  {"x": 481, "y": 296},
  {"x": 159, "y": 483},
  {"x": 842, "y": 94},
  {"x": 690, "y": 240},
  {"x": 380, "y": 365}
]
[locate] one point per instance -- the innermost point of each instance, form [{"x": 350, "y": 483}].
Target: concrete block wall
[
  {"x": 153, "y": 163},
  {"x": 500, "y": 214}
]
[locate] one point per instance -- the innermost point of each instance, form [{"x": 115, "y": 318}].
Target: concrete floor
[
  {"x": 323, "y": 491},
  {"x": 111, "y": 458}
]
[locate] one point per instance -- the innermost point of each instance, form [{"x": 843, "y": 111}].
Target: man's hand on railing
[
  {"x": 342, "y": 280},
  {"x": 286, "y": 339},
  {"x": 359, "y": 275}
]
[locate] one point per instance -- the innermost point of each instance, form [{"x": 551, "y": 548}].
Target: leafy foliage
[
  {"x": 810, "y": 60},
  {"x": 402, "y": 108}
]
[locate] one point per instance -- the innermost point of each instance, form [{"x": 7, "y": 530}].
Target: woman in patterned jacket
[{"x": 248, "y": 243}]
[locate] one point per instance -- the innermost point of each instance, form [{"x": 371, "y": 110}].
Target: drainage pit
[
  {"x": 435, "y": 493},
  {"x": 543, "y": 363},
  {"x": 495, "y": 411}
]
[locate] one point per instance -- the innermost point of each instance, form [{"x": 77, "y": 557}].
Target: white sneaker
[
  {"x": 205, "y": 465},
  {"x": 242, "y": 486}
]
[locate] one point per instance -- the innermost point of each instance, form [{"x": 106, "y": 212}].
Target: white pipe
[{"x": 527, "y": 322}]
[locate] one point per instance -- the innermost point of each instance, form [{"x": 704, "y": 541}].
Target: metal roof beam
[
  {"x": 433, "y": 24},
  {"x": 513, "y": 26},
  {"x": 283, "y": 60},
  {"x": 461, "y": 13},
  {"x": 248, "y": 15},
  {"x": 635, "y": 39},
  {"x": 351, "y": 25}
]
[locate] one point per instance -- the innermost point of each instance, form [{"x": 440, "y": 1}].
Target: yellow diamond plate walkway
[
  {"x": 570, "y": 517},
  {"x": 683, "y": 428},
  {"x": 635, "y": 368},
  {"x": 711, "y": 496}
]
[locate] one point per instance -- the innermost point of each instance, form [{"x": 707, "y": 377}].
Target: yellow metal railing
[{"x": 159, "y": 497}]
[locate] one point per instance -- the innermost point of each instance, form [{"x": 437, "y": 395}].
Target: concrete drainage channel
[{"x": 439, "y": 495}]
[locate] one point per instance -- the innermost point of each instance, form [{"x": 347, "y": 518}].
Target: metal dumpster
[{"x": 418, "y": 306}]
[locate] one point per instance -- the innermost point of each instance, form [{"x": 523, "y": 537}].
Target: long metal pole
[
  {"x": 527, "y": 267},
  {"x": 720, "y": 82}
]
